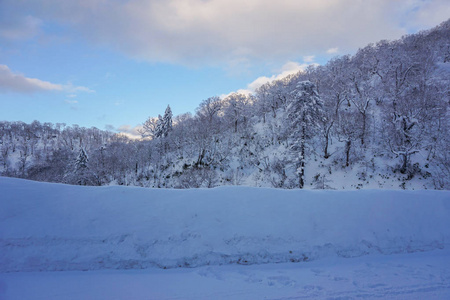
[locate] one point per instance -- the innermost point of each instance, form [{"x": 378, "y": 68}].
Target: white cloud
[
  {"x": 287, "y": 69},
  {"x": 333, "y": 50},
  {"x": 19, "y": 28},
  {"x": 235, "y": 32},
  {"x": 130, "y": 131},
  {"x": 126, "y": 130},
  {"x": 10, "y": 81},
  {"x": 74, "y": 89},
  {"x": 14, "y": 82},
  {"x": 308, "y": 58}
]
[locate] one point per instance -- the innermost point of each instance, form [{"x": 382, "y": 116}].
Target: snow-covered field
[{"x": 346, "y": 244}]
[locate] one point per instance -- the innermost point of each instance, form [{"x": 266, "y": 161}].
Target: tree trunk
[
  {"x": 363, "y": 129},
  {"x": 200, "y": 157},
  {"x": 348, "y": 144},
  {"x": 405, "y": 163},
  {"x": 302, "y": 158},
  {"x": 326, "y": 155}
]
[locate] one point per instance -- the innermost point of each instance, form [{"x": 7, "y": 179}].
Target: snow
[
  {"x": 424, "y": 275},
  {"x": 227, "y": 234}
]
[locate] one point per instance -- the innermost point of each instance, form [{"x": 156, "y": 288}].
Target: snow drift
[{"x": 47, "y": 226}]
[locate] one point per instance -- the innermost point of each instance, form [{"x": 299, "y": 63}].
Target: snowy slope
[{"x": 59, "y": 227}]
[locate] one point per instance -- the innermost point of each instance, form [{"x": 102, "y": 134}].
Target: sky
[{"x": 111, "y": 64}]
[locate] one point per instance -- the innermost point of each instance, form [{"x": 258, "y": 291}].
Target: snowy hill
[
  {"x": 377, "y": 119},
  {"x": 47, "y": 226}
]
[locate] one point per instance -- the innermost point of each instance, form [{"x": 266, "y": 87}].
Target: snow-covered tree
[
  {"x": 149, "y": 128},
  {"x": 208, "y": 111},
  {"x": 81, "y": 172},
  {"x": 166, "y": 124},
  {"x": 158, "y": 127},
  {"x": 236, "y": 110},
  {"x": 305, "y": 113},
  {"x": 347, "y": 131},
  {"x": 403, "y": 140},
  {"x": 159, "y": 130},
  {"x": 82, "y": 160}
]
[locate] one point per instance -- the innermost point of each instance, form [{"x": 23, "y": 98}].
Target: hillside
[{"x": 375, "y": 119}]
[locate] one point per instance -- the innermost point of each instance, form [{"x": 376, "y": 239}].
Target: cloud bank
[
  {"x": 199, "y": 32},
  {"x": 130, "y": 131},
  {"x": 13, "y": 82},
  {"x": 19, "y": 28},
  {"x": 287, "y": 69}
]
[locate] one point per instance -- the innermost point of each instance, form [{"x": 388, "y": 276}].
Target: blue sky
[{"x": 112, "y": 64}]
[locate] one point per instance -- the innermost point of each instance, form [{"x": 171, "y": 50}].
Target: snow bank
[{"x": 59, "y": 227}]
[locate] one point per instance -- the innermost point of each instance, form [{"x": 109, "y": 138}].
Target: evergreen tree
[
  {"x": 166, "y": 122},
  {"x": 305, "y": 112},
  {"x": 158, "y": 127},
  {"x": 159, "y": 130},
  {"x": 81, "y": 173},
  {"x": 81, "y": 161}
]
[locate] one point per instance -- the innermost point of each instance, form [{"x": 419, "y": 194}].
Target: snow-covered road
[{"x": 423, "y": 275}]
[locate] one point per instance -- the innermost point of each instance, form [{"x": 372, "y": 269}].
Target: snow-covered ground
[
  {"x": 424, "y": 275},
  {"x": 345, "y": 244}
]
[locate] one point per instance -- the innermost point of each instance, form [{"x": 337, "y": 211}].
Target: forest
[{"x": 375, "y": 119}]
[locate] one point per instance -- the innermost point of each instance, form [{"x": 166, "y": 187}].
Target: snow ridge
[{"x": 49, "y": 227}]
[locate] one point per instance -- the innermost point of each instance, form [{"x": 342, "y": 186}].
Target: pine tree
[
  {"x": 159, "y": 130},
  {"x": 157, "y": 127},
  {"x": 81, "y": 168},
  {"x": 167, "y": 122},
  {"x": 306, "y": 112},
  {"x": 82, "y": 160}
]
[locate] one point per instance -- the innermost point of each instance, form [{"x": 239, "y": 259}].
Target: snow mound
[{"x": 47, "y": 226}]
